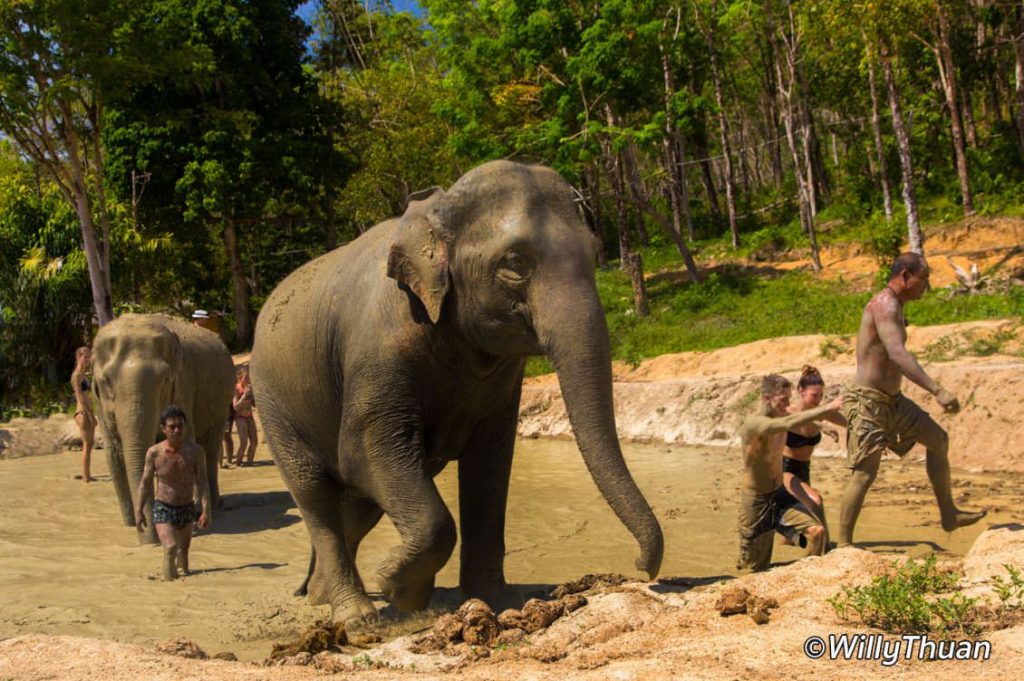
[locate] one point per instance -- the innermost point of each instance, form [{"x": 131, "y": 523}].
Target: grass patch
[{"x": 917, "y": 597}]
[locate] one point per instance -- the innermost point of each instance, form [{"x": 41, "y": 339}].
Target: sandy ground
[
  {"x": 71, "y": 575},
  {"x": 79, "y": 600}
]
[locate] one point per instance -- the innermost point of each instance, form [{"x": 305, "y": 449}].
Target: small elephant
[
  {"x": 378, "y": 363},
  {"x": 141, "y": 364}
]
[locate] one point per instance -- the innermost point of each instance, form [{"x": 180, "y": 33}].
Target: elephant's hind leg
[{"x": 334, "y": 579}]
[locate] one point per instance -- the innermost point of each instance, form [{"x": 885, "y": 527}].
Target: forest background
[{"x": 169, "y": 155}]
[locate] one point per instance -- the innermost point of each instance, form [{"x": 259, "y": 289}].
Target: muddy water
[{"x": 68, "y": 567}]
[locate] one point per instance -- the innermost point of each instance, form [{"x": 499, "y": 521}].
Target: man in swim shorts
[
  {"x": 878, "y": 414},
  {"x": 765, "y": 505},
  {"x": 179, "y": 467}
]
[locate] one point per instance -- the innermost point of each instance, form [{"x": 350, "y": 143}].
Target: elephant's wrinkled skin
[
  {"x": 378, "y": 363},
  {"x": 142, "y": 363}
]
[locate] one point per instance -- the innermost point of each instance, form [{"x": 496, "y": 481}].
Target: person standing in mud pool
[
  {"x": 179, "y": 467},
  {"x": 801, "y": 441},
  {"x": 880, "y": 417},
  {"x": 245, "y": 422},
  {"x": 84, "y": 416},
  {"x": 765, "y": 505}
]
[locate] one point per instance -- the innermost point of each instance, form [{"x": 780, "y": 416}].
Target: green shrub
[{"x": 905, "y": 601}]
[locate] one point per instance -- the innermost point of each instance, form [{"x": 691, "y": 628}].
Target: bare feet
[{"x": 963, "y": 519}]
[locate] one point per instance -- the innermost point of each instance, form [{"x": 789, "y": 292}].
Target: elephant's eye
[{"x": 513, "y": 269}]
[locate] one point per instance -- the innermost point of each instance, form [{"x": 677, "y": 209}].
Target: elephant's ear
[{"x": 418, "y": 258}]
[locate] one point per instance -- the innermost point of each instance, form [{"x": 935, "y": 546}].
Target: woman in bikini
[
  {"x": 245, "y": 424},
  {"x": 801, "y": 441},
  {"x": 84, "y": 416}
]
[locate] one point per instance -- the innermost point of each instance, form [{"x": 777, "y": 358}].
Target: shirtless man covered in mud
[
  {"x": 765, "y": 504},
  {"x": 179, "y": 467},
  {"x": 878, "y": 414}
]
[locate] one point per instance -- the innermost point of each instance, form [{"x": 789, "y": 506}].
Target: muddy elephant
[
  {"x": 378, "y": 363},
  {"x": 141, "y": 364}
]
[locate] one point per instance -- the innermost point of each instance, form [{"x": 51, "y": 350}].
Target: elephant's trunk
[
  {"x": 571, "y": 327},
  {"x": 138, "y": 422}
]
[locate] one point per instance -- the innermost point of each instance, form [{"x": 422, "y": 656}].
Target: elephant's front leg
[
  {"x": 393, "y": 474},
  {"x": 484, "y": 471}
]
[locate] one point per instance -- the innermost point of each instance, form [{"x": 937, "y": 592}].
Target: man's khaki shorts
[{"x": 877, "y": 421}]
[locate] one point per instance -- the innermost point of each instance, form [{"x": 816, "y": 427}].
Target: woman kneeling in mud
[{"x": 801, "y": 441}]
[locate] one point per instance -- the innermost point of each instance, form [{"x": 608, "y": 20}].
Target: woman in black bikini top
[{"x": 800, "y": 444}]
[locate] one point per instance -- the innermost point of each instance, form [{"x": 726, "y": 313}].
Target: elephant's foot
[
  {"x": 404, "y": 592},
  {"x": 357, "y": 614},
  {"x": 498, "y": 596}
]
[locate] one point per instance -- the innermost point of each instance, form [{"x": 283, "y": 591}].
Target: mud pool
[{"x": 67, "y": 566}]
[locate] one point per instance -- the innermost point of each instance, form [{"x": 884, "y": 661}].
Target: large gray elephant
[
  {"x": 378, "y": 363},
  {"x": 141, "y": 364}
]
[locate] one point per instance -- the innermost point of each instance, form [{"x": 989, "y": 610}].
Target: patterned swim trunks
[{"x": 168, "y": 514}]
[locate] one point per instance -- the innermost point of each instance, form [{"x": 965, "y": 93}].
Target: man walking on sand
[
  {"x": 878, "y": 414},
  {"x": 765, "y": 504},
  {"x": 179, "y": 467}
]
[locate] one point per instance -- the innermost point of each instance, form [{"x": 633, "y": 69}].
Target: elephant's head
[
  {"x": 504, "y": 258},
  {"x": 136, "y": 368}
]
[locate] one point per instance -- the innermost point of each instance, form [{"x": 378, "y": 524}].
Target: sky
[{"x": 307, "y": 10}]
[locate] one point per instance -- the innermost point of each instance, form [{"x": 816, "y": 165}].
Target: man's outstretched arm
[{"x": 766, "y": 425}]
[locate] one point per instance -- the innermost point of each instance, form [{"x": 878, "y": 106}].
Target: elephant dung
[
  {"x": 511, "y": 636},
  {"x": 588, "y": 582},
  {"x": 182, "y": 647},
  {"x": 538, "y": 614},
  {"x": 480, "y": 625},
  {"x": 572, "y": 602},
  {"x": 758, "y": 608},
  {"x": 732, "y": 602},
  {"x": 322, "y": 636},
  {"x": 447, "y": 629}
]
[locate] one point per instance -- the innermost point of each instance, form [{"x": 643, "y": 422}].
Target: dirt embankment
[
  {"x": 674, "y": 629},
  {"x": 700, "y": 398}
]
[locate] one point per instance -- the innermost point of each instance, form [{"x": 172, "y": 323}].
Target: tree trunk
[
  {"x": 675, "y": 158},
  {"x": 629, "y": 261},
  {"x": 967, "y": 108},
  {"x": 636, "y": 187},
  {"x": 592, "y": 177},
  {"x": 915, "y": 237},
  {"x": 771, "y": 113},
  {"x": 876, "y": 130},
  {"x": 707, "y": 178},
  {"x": 96, "y": 258},
  {"x": 243, "y": 316},
  {"x": 723, "y": 129},
  {"x": 804, "y": 189},
  {"x": 947, "y": 72},
  {"x": 1018, "y": 75}
]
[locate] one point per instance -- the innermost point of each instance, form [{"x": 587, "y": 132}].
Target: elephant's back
[{"x": 300, "y": 334}]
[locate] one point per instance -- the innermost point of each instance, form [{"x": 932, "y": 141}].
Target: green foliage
[
  {"x": 1010, "y": 591},
  {"x": 909, "y": 600},
  {"x": 45, "y": 306}
]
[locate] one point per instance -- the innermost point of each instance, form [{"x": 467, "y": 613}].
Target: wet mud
[{"x": 67, "y": 566}]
